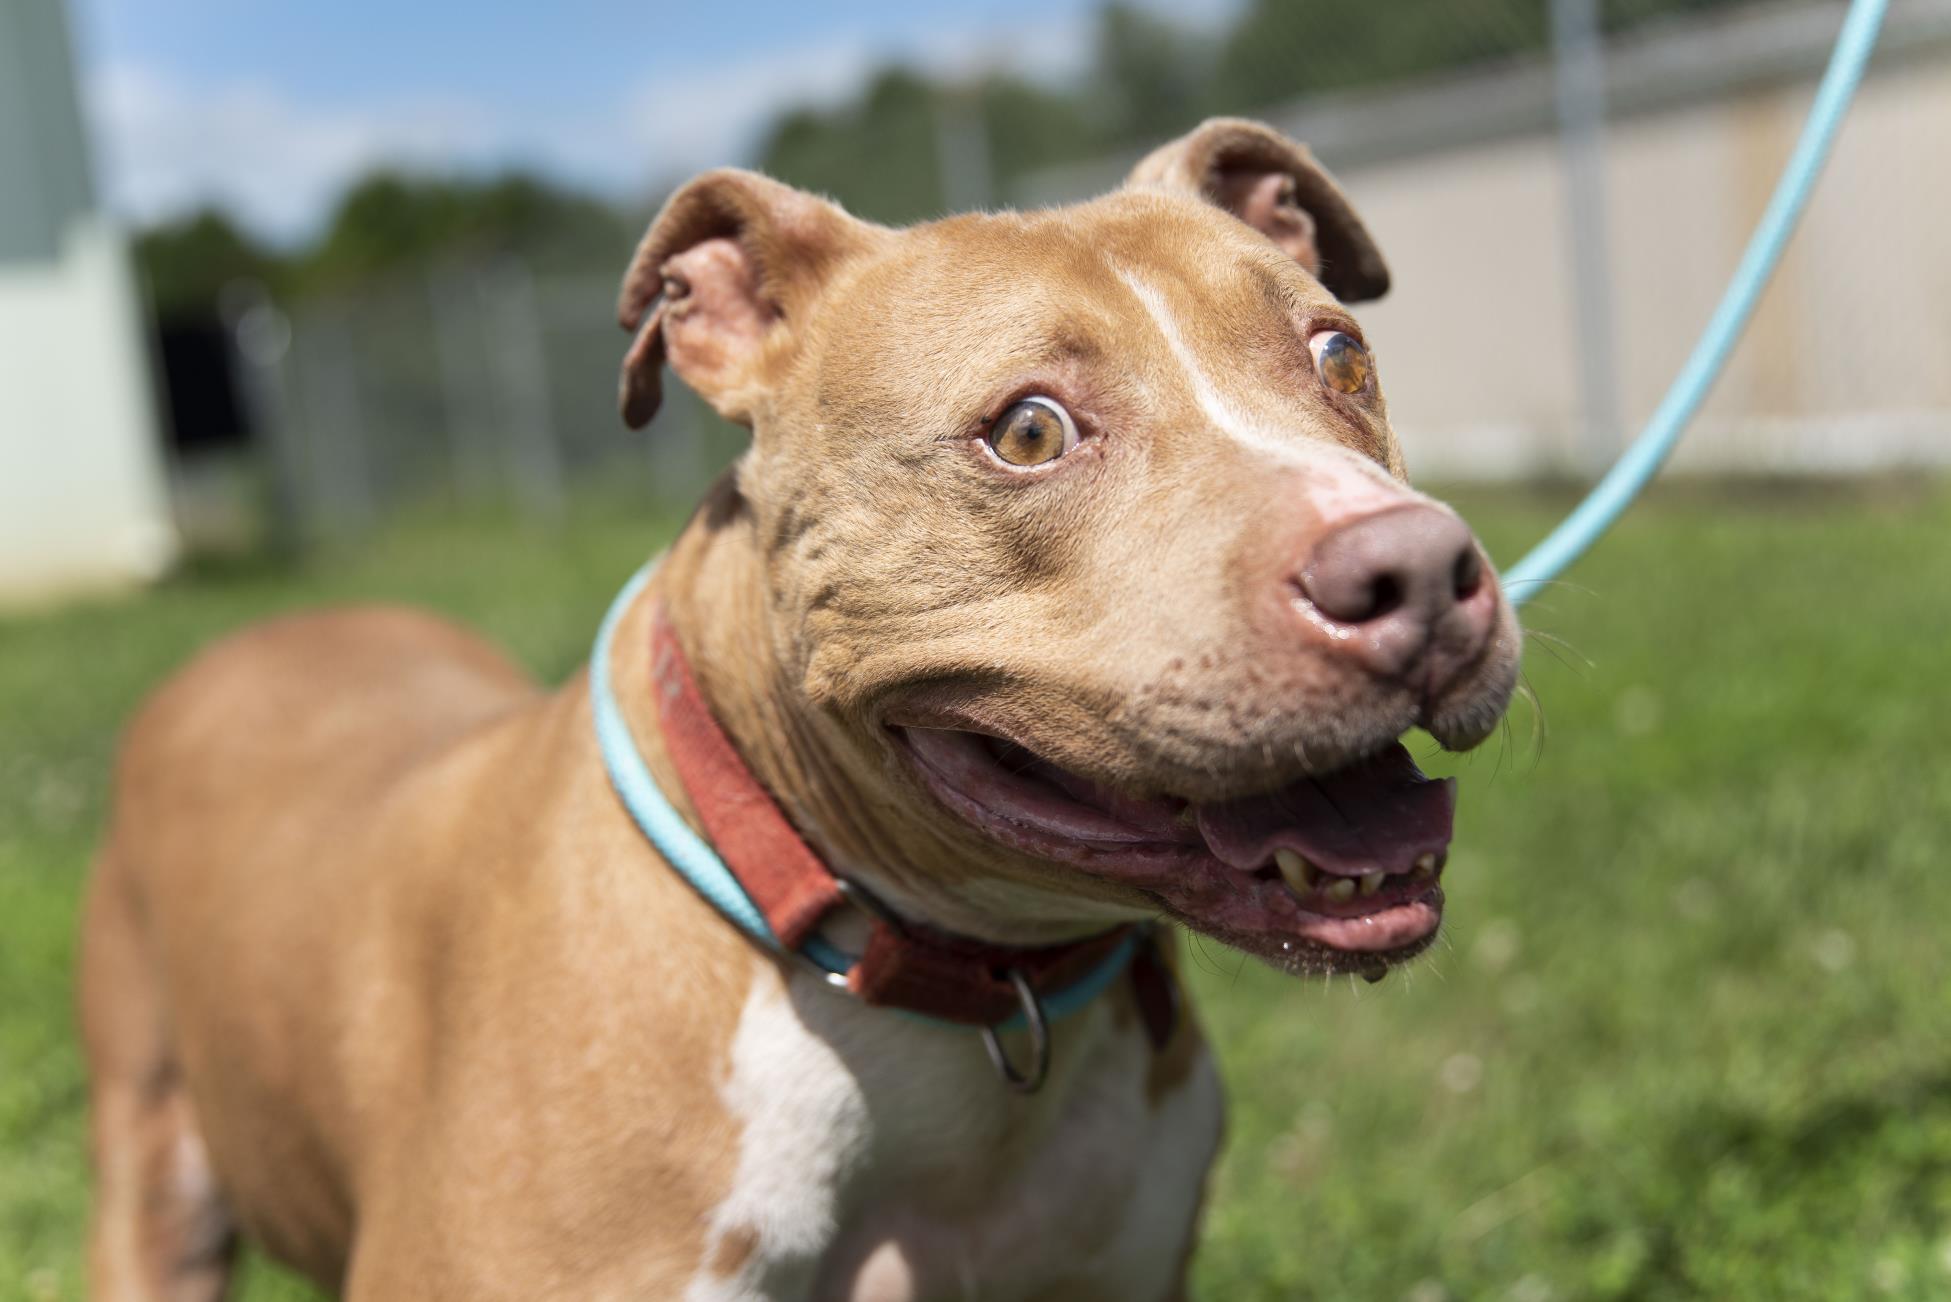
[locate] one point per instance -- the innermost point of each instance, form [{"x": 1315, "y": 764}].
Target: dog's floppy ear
[
  {"x": 1275, "y": 186},
  {"x": 728, "y": 266}
]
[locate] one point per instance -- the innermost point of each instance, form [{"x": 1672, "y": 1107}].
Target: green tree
[
  {"x": 1032, "y": 126},
  {"x": 875, "y": 155},
  {"x": 1282, "y": 49},
  {"x": 187, "y": 262},
  {"x": 389, "y": 223},
  {"x": 1155, "y": 76},
  {"x": 878, "y": 155}
]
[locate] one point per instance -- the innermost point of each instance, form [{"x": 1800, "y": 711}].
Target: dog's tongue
[{"x": 1380, "y": 813}]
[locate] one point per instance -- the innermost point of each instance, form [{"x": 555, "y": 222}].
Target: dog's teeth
[
  {"x": 1425, "y": 864},
  {"x": 1295, "y": 870},
  {"x": 1342, "y": 888},
  {"x": 1370, "y": 883}
]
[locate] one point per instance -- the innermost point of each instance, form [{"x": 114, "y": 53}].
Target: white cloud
[
  {"x": 714, "y": 115},
  {"x": 168, "y": 145},
  {"x": 675, "y": 125}
]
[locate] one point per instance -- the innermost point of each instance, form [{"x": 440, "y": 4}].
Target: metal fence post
[
  {"x": 962, "y": 150},
  {"x": 522, "y": 371},
  {"x": 1578, "y": 71},
  {"x": 260, "y": 346},
  {"x": 333, "y": 448},
  {"x": 461, "y": 360}
]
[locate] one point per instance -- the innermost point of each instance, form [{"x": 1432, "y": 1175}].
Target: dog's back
[
  {"x": 361, "y": 880},
  {"x": 247, "y": 713},
  {"x": 1072, "y": 580},
  {"x": 244, "y": 790}
]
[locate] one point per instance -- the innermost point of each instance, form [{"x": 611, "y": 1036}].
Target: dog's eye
[
  {"x": 1033, "y": 432},
  {"x": 1341, "y": 359}
]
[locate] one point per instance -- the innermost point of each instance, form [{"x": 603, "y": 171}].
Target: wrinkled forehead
[
  {"x": 1083, "y": 263},
  {"x": 1144, "y": 289}
]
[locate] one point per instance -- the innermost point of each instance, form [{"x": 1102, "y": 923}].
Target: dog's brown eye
[
  {"x": 1033, "y": 432},
  {"x": 1341, "y": 359}
]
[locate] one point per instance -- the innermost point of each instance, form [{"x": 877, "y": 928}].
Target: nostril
[
  {"x": 1353, "y": 594},
  {"x": 1384, "y": 595},
  {"x": 1404, "y": 567},
  {"x": 1467, "y": 575}
]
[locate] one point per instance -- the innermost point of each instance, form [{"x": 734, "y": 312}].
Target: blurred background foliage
[
  {"x": 878, "y": 151},
  {"x": 388, "y": 223}
]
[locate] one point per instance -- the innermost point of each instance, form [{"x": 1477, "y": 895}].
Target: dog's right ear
[{"x": 722, "y": 276}]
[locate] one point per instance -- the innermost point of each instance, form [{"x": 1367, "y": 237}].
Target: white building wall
[
  {"x": 82, "y": 495},
  {"x": 1844, "y": 366}
]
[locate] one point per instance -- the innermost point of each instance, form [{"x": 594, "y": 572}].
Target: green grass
[{"x": 1690, "y": 1036}]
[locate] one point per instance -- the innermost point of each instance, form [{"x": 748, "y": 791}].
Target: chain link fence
[{"x": 486, "y": 384}]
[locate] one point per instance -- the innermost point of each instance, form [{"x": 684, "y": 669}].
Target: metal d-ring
[
  {"x": 1032, "y": 1081},
  {"x": 869, "y": 903},
  {"x": 817, "y": 970}
]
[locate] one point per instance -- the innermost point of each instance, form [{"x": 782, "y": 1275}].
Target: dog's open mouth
[{"x": 1339, "y": 871}]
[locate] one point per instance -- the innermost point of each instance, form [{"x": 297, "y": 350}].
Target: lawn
[{"x": 1690, "y": 1036}]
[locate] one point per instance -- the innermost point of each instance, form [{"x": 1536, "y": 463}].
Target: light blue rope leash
[
  {"x": 700, "y": 865},
  {"x": 1641, "y": 461},
  {"x": 694, "y": 859}
]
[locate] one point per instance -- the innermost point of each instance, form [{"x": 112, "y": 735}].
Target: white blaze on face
[
  {"x": 1226, "y": 415},
  {"x": 1340, "y": 483}
]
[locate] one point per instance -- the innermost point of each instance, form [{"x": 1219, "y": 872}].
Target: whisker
[
  {"x": 1205, "y": 960},
  {"x": 1558, "y": 652},
  {"x": 1503, "y": 744},
  {"x": 1540, "y": 730},
  {"x": 1553, "y": 639}
]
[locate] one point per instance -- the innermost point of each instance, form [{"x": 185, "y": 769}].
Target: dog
[{"x": 1070, "y": 593}]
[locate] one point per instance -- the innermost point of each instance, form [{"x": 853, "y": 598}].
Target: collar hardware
[
  {"x": 1031, "y": 1081},
  {"x": 756, "y": 870}
]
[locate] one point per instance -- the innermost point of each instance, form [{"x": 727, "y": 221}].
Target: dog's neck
[{"x": 713, "y": 587}]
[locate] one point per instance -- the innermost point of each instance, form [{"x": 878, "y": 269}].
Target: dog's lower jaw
[
  {"x": 1337, "y": 873},
  {"x": 832, "y": 776},
  {"x": 919, "y": 856}
]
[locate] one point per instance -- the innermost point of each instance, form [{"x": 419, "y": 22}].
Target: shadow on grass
[{"x": 1865, "y": 1164}]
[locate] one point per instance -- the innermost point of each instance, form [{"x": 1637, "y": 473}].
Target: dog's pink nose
[{"x": 1405, "y": 591}]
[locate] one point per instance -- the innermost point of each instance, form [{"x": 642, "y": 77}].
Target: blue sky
[{"x": 271, "y": 105}]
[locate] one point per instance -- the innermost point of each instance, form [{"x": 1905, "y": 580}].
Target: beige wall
[{"x": 1847, "y": 365}]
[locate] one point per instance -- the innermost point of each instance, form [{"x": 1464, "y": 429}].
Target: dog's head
[{"x": 1087, "y": 528}]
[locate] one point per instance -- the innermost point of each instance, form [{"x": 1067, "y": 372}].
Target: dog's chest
[{"x": 881, "y": 1159}]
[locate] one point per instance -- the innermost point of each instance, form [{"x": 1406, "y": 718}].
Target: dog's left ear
[
  {"x": 1275, "y": 186},
  {"x": 723, "y": 277}
]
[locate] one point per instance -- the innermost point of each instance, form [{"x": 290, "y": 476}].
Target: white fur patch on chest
[
  {"x": 805, "y": 1127},
  {"x": 881, "y": 1159}
]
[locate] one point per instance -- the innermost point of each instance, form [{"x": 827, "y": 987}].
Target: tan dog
[{"x": 1070, "y": 580}]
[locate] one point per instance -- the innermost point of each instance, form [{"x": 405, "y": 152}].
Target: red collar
[{"x": 905, "y": 965}]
